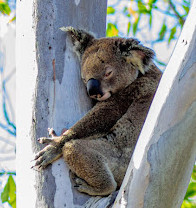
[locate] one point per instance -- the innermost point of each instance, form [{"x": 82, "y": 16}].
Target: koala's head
[{"x": 108, "y": 65}]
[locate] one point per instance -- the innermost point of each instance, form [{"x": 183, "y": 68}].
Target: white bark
[
  {"x": 161, "y": 166},
  {"x": 49, "y": 92}
]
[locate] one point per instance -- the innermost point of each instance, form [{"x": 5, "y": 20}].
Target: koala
[{"x": 120, "y": 75}]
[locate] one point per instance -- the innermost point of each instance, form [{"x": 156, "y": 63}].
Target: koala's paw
[
  {"x": 51, "y": 152},
  {"x": 47, "y": 155},
  {"x": 80, "y": 184},
  {"x": 46, "y": 140}
]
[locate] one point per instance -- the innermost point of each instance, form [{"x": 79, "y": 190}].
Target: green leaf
[
  {"x": 150, "y": 20},
  {"x": 187, "y": 2},
  {"x": 135, "y": 25},
  {"x": 111, "y": 30},
  {"x": 142, "y": 8},
  {"x": 172, "y": 34},
  {"x": 126, "y": 12},
  {"x": 186, "y": 9},
  {"x": 193, "y": 177},
  {"x": 163, "y": 31},
  {"x": 128, "y": 15},
  {"x": 188, "y": 204},
  {"x": 110, "y": 10},
  {"x": 13, "y": 19},
  {"x": 128, "y": 28},
  {"x": 5, "y": 194},
  {"x": 191, "y": 191},
  {"x": 150, "y": 2},
  {"x": 4, "y": 8},
  {"x": 9, "y": 192},
  {"x": 125, "y": 9}
]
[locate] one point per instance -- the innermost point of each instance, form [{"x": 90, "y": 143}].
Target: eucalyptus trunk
[
  {"x": 50, "y": 92},
  {"x": 160, "y": 169}
]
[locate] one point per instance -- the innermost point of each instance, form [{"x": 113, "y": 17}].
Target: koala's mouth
[{"x": 104, "y": 97}]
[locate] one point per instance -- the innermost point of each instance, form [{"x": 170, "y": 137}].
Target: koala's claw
[
  {"x": 44, "y": 140},
  {"x": 79, "y": 181},
  {"x": 46, "y": 156},
  {"x": 42, "y": 162},
  {"x": 52, "y": 132},
  {"x": 39, "y": 154},
  {"x": 80, "y": 184}
]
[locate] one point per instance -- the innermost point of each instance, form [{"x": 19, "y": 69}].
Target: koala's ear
[
  {"x": 80, "y": 39},
  {"x": 136, "y": 53}
]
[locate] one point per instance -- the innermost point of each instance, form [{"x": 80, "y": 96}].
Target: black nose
[{"x": 94, "y": 88}]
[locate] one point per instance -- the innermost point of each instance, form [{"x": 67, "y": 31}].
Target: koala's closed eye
[{"x": 108, "y": 73}]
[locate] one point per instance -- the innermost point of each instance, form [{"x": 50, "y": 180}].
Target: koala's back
[
  {"x": 124, "y": 134},
  {"x": 100, "y": 160}
]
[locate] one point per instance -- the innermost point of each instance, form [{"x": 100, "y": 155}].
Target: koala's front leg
[{"x": 98, "y": 121}]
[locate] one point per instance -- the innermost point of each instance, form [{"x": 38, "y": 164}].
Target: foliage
[
  {"x": 9, "y": 192},
  {"x": 189, "y": 199},
  {"x": 141, "y": 14},
  {"x": 111, "y": 30},
  {"x": 4, "y": 7},
  {"x": 9, "y": 126},
  {"x": 152, "y": 21}
]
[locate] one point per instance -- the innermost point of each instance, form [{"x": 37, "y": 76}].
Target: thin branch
[
  {"x": 163, "y": 12},
  {"x": 172, "y": 6},
  {"x": 7, "y": 173}
]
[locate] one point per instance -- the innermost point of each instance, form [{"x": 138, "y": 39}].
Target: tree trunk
[
  {"x": 49, "y": 92},
  {"x": 161, "y": 166}
]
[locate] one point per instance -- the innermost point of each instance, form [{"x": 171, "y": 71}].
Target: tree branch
[
  {"x": 176, "y": 13},
  {"x": 161, "y": 166}
]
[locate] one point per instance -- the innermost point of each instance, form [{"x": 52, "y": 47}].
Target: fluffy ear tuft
[
  {"x": 80, "y": 39},
  {"x": 134, "y": 52}
]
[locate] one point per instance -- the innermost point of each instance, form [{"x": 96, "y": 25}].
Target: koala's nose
[{"x": 94, "y": 88}]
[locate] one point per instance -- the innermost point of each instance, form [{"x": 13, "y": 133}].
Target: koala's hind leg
[{"x": 93, "y": 175}]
